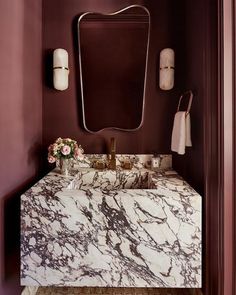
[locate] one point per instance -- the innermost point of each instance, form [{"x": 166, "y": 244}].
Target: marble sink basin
[{"x": 112, "y": 180}]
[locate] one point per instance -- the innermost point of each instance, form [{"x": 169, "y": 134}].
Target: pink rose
[
  {"x": 65, "y": 150},
  {"x": 50, "y": 148},
  {"x": 78, "y": 153},
  {"x": 51, "y": 159}
]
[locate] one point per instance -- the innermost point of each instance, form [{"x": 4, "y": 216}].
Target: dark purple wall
[
  {"x": 173, "y": 24},
  {"x": 32, "y": 113},
  {"x": 20, "y": 121},
  {"x": 192, "y": 51},
  {"x": 62, "y": 110}
]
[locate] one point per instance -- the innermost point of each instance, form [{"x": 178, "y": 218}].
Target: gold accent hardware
[
  {"x": 190, "y": 93},
  {"x": 169, "y": 68},
  {"x": 112, "y": 159},
  {"x": 62, "y": 68},
  {"x": 100, "y": 164},
  {"x": 127, "y": 164}
]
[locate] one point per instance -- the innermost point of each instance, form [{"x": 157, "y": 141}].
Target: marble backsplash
[{"x": 138, "y": 161}]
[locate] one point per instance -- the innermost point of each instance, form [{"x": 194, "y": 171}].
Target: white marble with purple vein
[{"x": 119, "y": 228}]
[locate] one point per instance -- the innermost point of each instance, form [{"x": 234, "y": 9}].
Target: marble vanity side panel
[{"x": 35, "y": 211}]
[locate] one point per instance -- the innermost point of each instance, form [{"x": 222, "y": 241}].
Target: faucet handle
[
  {"x": 127, "y": 164},
  {"x": 113, "y": 145},
  {"x": 100, "y": 164},
  {"x": 112, "y": 158}
]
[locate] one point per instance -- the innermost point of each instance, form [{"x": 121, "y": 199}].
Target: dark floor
[{"x": 115, "y": 291}]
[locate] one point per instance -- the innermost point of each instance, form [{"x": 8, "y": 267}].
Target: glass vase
[{"x": 65, "y": 166}]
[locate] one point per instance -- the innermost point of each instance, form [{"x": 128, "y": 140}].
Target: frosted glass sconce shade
[
  {"x": 167, "y": 69},
  {"x": 60, "y": 69}
]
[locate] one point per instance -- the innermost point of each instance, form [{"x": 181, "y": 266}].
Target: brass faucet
[{"x": 112, "y": 158}]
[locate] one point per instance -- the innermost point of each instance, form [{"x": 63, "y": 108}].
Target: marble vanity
[{"x": 123, "y": 228}]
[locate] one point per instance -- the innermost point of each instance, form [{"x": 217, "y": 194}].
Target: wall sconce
[
  {"x": 60, "y": 69},
  {"x": 167, "y": 69}
]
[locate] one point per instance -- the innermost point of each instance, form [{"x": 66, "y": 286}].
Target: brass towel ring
[{"x": 190, "y": 93}]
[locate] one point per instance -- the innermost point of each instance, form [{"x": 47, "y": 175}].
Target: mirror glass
[{"x": 113, "y": 53}]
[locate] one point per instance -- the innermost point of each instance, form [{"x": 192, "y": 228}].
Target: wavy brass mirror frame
[{"x": 145, "y": 68}]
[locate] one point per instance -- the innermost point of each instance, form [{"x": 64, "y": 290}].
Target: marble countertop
[{"x": 117, "y": 238}]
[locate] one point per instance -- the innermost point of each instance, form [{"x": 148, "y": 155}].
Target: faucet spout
[{"x": 112, "y": 160}]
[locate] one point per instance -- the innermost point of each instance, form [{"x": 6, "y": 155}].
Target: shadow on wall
[
  {"x": 77, "y": 68},
  {"x": 10, "y": 219},
  {"x": 48, "y": 68},
  {"x": 11, "y": 207}
]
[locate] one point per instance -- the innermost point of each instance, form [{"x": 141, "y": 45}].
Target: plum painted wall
[
  {"x": 193, "y": 55},
  {"x": 33, "y": 114},
  {"x": 173, "y": 24},
  {"x": 62, "y": 111},
  {"x": 20, "y": 123}
]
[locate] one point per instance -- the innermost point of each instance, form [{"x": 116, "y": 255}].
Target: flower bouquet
[{"x": 64, "y": 149}]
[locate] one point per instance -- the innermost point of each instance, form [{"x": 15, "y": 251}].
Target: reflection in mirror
[{"x": 113, "y": 53}]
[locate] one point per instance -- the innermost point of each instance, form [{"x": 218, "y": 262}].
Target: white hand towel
[
  {"x": 188, "y": 141},
  {"x": 181, "y": 134}
]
